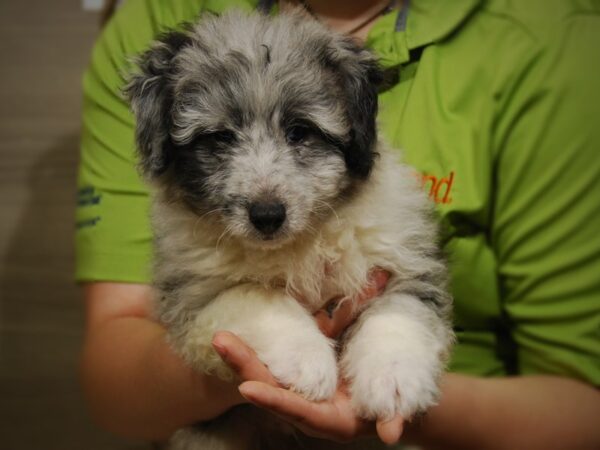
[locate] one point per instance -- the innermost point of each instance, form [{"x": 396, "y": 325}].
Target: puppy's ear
[
  {"x": 150, "y": 93},
  {"x": 360, "y": 77}
]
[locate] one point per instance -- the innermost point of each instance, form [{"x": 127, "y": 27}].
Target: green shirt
[{"x": 497, "y": 106}]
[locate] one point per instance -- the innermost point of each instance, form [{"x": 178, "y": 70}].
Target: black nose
[{"x": 267, "y": 217}]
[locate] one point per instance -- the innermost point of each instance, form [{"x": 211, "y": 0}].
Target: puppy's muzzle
[{"x": 267, "y": 216}]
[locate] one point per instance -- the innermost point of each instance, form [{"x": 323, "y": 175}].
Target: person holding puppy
[{"x": 490, "y": 103}]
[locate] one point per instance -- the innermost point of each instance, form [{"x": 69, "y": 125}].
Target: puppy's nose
[{"x": 267, "y": 217}]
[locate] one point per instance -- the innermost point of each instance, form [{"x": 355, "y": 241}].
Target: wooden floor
[{"x": 44, "y": 47}]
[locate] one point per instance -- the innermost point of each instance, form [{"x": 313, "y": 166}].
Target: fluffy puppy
[{"x": 269, "y": 184}]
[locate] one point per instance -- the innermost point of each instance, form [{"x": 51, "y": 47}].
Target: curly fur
[{"x": 241, "y": 110}]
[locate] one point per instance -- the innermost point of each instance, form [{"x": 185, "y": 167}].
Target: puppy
[{"x": 271, "y": 194}]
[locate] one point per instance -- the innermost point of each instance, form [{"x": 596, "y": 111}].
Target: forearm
[
  {"x": 138, "y": 387},
  {"x": 536, "y": 412}
]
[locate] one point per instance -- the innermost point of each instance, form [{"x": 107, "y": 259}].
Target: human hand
[
  {"x": 333, "y": 419},
  {"x": 334, "y": 318}
]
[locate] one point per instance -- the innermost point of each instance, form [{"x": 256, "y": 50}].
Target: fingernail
[
  {"x": 219, "y": 347},
  {"x": 391, "y": 430},
  {"x": 247, "y": 391}
]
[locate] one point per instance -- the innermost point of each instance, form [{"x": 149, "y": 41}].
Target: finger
[
  {"x": 345, "y": 312},
  {"x": 278, "y": 400},
  {"x": 390, "y": 431},
  {"x": 378, "y": 279},
  {"x": 324, "y": 322},
  {"x": 315, "y": 419},
  {"x": 333, "y": 326},
  {"x": 241, "y": 358}
]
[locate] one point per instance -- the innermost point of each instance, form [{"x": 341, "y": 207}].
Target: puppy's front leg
[
  {"x": 283, "y": 334},
  {"x": 394, "y": 357}
]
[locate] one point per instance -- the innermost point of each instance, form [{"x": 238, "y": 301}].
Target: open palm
[{"x": 332, "y": 419}]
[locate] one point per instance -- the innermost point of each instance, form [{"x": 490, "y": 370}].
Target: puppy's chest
[
  {"x": 317, "y": 293},
  {"x": 319, "y": 275}
]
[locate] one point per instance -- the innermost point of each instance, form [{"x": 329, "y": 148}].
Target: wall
[{"x": 44, "y": 46}]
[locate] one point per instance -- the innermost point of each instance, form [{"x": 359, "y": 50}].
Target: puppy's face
[{"x": 261, "y": 125}]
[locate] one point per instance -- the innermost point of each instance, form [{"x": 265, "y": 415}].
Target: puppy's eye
[
  {"x": 297, "y": 134},
  {"x": 224, "y": 137},
  {"x": 221, "y": 138}
]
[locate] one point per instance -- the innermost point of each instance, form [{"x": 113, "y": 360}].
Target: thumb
[
  {"x": 390, "y": 431},
  {"x": 333, "y": 325}
]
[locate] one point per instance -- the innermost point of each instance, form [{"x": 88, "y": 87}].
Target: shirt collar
[{"x": 417, "y": 24}]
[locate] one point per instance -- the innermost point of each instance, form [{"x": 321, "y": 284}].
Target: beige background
[{"x": 44, "y": 46}]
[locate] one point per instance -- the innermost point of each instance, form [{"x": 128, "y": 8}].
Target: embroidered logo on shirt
[
  {"x": 87, "y": 198},
  {"x": 87, "y": 222},
  {"x": 439, "y": 188}
]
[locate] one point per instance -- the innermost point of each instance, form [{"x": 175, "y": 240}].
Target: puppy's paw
[
  {"x": 306, "y": 362},
  {"x": 383, "y": 386}
]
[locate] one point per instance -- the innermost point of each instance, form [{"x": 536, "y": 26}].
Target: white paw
[
  {"x": 305, "y": 361},
  {"x": 385, "y": 385}
]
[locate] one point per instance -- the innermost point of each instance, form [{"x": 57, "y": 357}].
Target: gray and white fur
[{"x": 273, "y": 194}]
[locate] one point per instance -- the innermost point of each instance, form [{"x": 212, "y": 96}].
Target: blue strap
[
  {"x": 402, "y": 16},
  {"x": 264, "y": 6}
]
